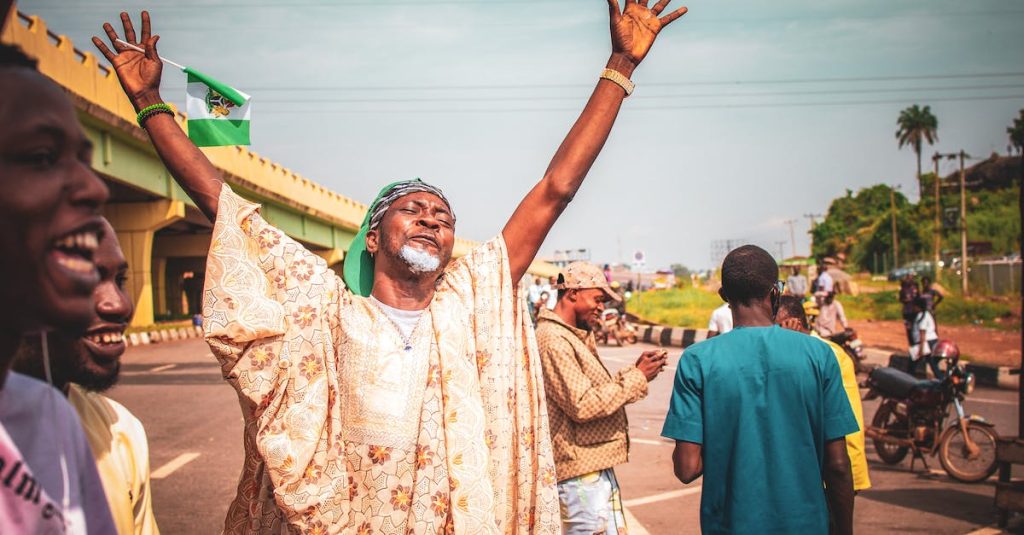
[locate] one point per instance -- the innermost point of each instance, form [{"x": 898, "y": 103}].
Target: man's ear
[
  {"x": 372, "y": 243},
  {"x": 572, "y": 295},
  {"x": 721, "y": 293}
]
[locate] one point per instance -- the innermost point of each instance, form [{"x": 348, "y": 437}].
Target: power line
[
  {"x": 513, "y": 87},
  {"x": 340, "y": 100},
  {"x": 653, "y": 108}
]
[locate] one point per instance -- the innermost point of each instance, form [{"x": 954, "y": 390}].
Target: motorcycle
[
  {"x": 851, "y": 343},
  {"x": 912, "y": 418},
  {"x": 613, "y": 325}
]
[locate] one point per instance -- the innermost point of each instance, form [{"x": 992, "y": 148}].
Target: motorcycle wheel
[
  {"x": 953, "y": 454},
  {"x": 885, "y": 418}
]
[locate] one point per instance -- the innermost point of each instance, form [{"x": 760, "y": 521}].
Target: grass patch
[
  {"x": 686, "y": 307},
  {"x": 692, "y": 307}
]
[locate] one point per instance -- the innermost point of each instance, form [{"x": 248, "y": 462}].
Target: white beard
[{"x": 419, "y": 261}]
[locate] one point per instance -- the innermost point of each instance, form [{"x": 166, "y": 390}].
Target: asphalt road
[{"x": 194, "y": 426}]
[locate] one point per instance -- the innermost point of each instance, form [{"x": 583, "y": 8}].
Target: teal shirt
[{"x": 762, "y": 401}]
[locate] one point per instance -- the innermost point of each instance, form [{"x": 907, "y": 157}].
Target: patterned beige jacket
[
  {"x": 586, "y": 403},
  {"x": 350, "y": 430}
]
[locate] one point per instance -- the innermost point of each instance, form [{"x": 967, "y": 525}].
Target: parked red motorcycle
[{"x": 913, "y": 415}]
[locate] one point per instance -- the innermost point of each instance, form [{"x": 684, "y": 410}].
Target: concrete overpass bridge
[{"x": 163, "y": 234}]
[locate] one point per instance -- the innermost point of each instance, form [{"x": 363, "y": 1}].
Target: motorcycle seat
[{"x": 894, "y": 383}]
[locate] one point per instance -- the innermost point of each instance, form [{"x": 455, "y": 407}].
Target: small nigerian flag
[{"x": 218, "y": 114}]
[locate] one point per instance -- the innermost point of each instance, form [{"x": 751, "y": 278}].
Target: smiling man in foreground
[
  {"x": 84, "y": 367},
  {"x": 406, "y": 397}
]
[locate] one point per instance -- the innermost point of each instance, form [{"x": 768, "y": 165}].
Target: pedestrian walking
[
  {"x": 796, "y": 283},
  {"x": 761, "y": 413},
  {"x": 792, "y": 316},
  {"x": 721, "y": 321},
  {"x": 925, "y": 336}
]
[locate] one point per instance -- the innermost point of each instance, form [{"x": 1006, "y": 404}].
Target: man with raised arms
[{"x": 407, "y": 396}]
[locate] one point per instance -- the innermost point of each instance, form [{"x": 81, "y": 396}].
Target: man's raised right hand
[{"x": 138, "y": 72}]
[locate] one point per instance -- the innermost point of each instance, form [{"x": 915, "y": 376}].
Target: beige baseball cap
[{"x": 581, "y": 275}]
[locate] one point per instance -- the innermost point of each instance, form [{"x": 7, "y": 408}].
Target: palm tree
[{"x": 917, "y": 124}]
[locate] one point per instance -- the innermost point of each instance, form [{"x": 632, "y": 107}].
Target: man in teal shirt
[{"x": 761, "y": 413}]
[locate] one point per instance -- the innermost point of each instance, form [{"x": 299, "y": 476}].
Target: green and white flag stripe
[{"x": 218, "y": 114}]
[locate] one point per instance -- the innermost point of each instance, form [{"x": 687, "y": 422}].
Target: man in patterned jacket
[
  {"x": 586, "y": 404},
  {"x": 405, "y": 397}
]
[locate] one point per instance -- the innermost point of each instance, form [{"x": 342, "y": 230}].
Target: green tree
[
  {"x": 917, "y": 125},
  {"x": 1016, "y": 133}
]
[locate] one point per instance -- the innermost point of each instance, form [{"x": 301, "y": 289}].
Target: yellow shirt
[
  {"x": 854, "y": 442},
  {"x": 119, "y": 445}
]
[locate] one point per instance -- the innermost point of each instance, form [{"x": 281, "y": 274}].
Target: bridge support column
[{"x": 136, "y": 224}]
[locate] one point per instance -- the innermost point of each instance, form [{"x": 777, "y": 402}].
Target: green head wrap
[{"x": 358, "y": 266}]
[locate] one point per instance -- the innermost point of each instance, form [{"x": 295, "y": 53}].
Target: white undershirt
[{"x": 405, "y": 320}]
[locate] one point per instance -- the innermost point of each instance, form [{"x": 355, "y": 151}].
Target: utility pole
[
  {"x": 782, "y": 252},
  {"x": 792, "y": 234},
  {"x": 963, "y": 226},
  {"x": 813, "y": 218},
  {"x": 895, "y": 235},
  {"x": 937, "y": 222}
]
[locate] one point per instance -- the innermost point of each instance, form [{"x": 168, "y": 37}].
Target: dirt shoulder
[{"x": 980, "y": 345}]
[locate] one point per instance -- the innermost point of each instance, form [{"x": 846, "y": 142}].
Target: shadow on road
[{"x": 958, "y": 504}]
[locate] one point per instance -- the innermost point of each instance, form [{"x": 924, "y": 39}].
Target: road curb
[
  {"x": 991, "y": 376},
  {"x": 671, "y": 336},
  {"x": 163, "y": 335}
]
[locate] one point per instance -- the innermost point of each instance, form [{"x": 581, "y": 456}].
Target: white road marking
[
  {"x": 650, "y": 442},
  {"x": 633, "y": 525},
  {"x": 661, "y": 497},
  {"x": 173, "y": 465},
  {"x": 165, "y": 367}
]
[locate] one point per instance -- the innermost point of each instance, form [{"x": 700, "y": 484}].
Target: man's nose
[
  {"x": 430, "y": 222},
  {"x": 112, "y": 304},
  {"x": 87, "y": 189}
]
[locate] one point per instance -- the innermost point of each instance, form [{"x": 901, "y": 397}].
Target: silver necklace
[{"x": 406, "y": 340}]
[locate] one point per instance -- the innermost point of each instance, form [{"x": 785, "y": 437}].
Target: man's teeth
[
  {"x": 106, "y": 338},
  {"x": 86, "y": 241},
  {"x": 75, "y": 264}
]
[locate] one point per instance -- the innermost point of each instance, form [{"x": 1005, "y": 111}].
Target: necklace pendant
[{"x": 408, "y": 347}]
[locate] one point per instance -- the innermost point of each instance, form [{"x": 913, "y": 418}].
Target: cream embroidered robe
[{"x": 348, "y": 432}]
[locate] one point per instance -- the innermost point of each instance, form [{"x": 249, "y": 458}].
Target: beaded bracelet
[{"x": 149, "y": 111}]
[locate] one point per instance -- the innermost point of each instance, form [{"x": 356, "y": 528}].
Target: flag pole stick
[{"x": 137, "y": 49}]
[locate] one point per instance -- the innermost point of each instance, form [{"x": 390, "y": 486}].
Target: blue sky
[{"x": 746, "y": 114}]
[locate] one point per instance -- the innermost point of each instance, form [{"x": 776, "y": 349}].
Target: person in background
[
  {"x": 762, "y": 415},
  {"x": 541, "y": 304},
  {"x": 926, "y": 336},
  {"x": 586, "y": 404},
  {"x": 793, "y": 317},
  {"x": 823, "y": 284},
  {"x": 85, "y": 366},
  {"x": 908, "y": 293},
  {"x": 796, "y": 283},
  {"x": 552, "y": 294},
  {"x": 831, "y": 317},
  {"x": 721, "y": 321},
  {"x": 931, "y": 294},
  {"x": 50, "y": 226},
  {"x": 533, "y": 295}
]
